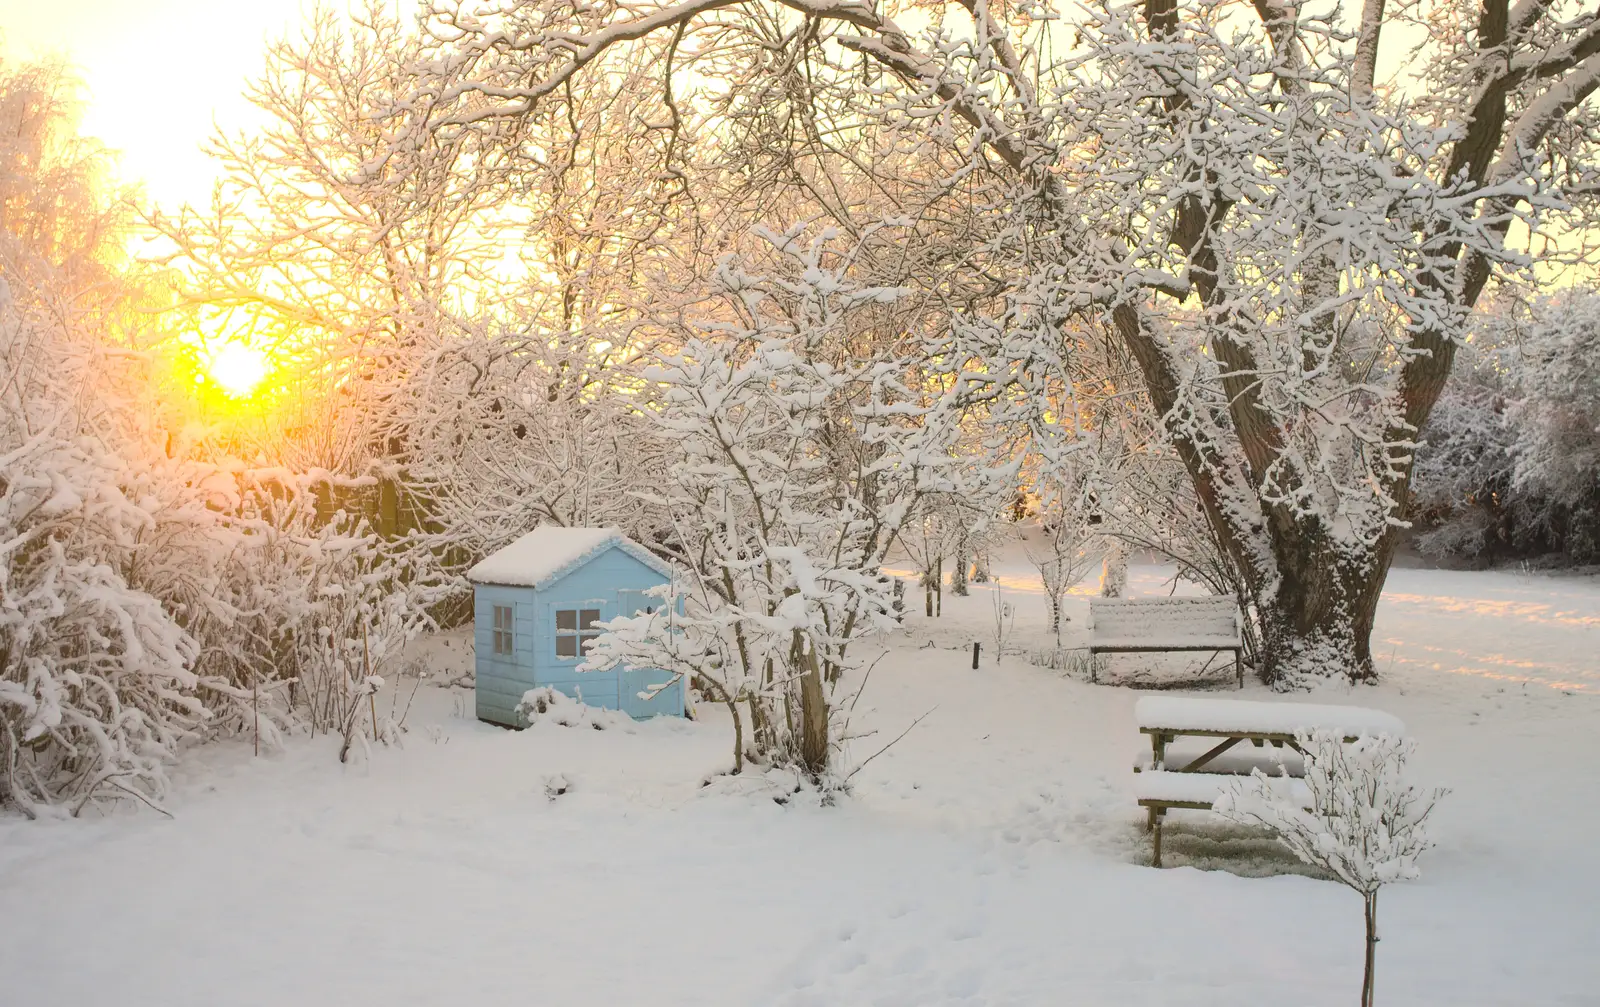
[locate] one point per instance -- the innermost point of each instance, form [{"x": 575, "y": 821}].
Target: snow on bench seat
[
  {"x": 1162, "y": 624},
  {"x": 1164, "y": 788},
  {"x": 1180, "y": 622},
  {"x": 1184, "y": 715},
  {"x": 1156, "y": 642}
]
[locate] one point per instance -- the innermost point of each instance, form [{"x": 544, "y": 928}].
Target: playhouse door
[
  {"x": 668, "y": 702},
  {"x": 634, "y": 681}
]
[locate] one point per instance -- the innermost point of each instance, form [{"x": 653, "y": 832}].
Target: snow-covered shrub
[
  {"x": 546, "y": 705},
  {"x": 1462, "y": 488},
  {"x": 1510, "y": 459},
  {"x": 96, "y": 680},
  {"x": 1365, "y": 824},
  {"x": 807, "y": 438}
]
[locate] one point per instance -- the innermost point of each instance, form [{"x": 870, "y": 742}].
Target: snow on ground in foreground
[{"x": 993, "y": 856}]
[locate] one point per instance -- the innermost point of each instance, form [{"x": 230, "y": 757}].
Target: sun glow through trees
[{"x": 237, "y": 368}]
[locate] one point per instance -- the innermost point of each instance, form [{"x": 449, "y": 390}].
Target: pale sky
[{"x": 158, "y": 73}]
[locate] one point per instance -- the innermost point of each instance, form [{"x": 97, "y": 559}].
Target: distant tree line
[{"x": 1510, "y": 463}]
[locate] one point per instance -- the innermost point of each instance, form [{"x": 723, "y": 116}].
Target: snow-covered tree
[
  {"x": 1510, "y": 464},
  {"x": 1068, "y": 543},
  {"x": 802, "y": 450},
  {"x": 1557, "y": 413},
  {"x": 512, "y": 429},
  {"x": 97, "y": 686},
  {"x": 1464, "y": 495},
  {"x": 1363, "y": 823},
  {"x": 1287, "y": 251}
]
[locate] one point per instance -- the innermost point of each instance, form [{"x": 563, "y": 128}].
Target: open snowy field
[{"x": 992, "y": 856}]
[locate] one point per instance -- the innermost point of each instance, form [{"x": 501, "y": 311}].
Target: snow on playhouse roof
[{"x": 550, "y": 552}]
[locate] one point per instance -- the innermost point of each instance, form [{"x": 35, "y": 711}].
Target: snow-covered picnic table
[
  {"x": 1197, "y": 782},
  {"x": 1165, "y": 718}
]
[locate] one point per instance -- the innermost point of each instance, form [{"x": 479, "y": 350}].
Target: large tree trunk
[{"x": 1316, "y": 620}]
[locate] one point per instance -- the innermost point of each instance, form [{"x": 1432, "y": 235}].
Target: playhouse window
[
  {"x": 502, "y": 629},
  {"x": 575, "y": 630}
]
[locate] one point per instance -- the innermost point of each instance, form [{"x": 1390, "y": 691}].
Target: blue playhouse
[{"x": 535, "y": 604}]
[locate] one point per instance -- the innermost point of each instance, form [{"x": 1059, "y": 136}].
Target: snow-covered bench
[
  {"x": 1195, "y": 782},
  {"x": 1132, "y": 625}
]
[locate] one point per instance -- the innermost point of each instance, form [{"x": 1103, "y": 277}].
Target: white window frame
[
  {"x": 505, "y": 633},
  {"x": 580, "y": 632}
]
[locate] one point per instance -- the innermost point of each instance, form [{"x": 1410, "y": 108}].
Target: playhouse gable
[{"x": 551, "y": 552}]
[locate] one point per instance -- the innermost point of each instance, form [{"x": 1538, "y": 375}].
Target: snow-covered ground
[{"x": 992, "y": 856}]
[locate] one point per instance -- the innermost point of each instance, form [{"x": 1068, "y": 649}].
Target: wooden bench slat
[{"x": 1160, "y": 625}]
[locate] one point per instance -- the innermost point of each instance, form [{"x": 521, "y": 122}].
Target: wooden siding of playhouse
[{"x": 612, "y": 581}]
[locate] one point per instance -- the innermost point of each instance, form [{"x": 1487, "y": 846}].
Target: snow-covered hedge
[
  {"x": 1510, "y": 465},
  {"x": 154, "y": 590}
]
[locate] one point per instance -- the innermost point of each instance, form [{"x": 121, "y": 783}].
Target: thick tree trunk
[
  {"x": 1315, "y": 597},
  {"x": 1316, "y": 621},
  {"x": 958, "y": 575}
]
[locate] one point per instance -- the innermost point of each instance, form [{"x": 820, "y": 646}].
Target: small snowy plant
[
  {"x": 552, "y": 706},
  {"x": 809, "y": 440},
  {"x": 1364, "y": 824},
  {"x": 1067, "y": 550}
]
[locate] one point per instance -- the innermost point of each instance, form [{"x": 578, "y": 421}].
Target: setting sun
[{"x": 237, "y": 368}]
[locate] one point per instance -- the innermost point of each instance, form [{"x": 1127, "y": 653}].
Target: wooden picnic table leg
[
  {"x": 1238, "y": 668},
  {"x": 1156, "y": 860},
  {"x": 1158, "y": 750}
]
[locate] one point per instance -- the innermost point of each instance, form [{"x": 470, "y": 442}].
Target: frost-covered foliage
[
  {"x": 806, "y": 441},
  {"x": 96, "y": 678},
  {"x": 1286, "y": 251},
  {"x": 509, "y": 430},
  {"x": 1511, "y": 460},
  {"x": 154, "y": 589},
  {"x": 1365, "y": 823}
]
